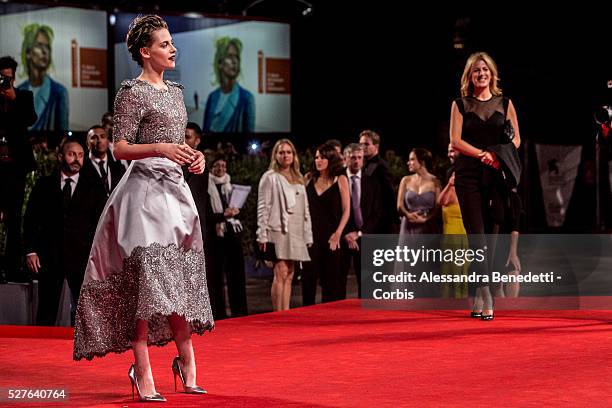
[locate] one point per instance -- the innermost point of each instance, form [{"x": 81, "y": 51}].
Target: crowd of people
[
  {"x": 317, "y": 220},
  {"x": 313, "y": 222}
]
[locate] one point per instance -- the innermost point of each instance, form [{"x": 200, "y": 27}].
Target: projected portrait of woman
[
  {"x": 230, "y": 108},
  {"x": 50, "y": 97}
]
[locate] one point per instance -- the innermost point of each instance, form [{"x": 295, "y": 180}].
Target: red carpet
[{"x": 340, "y": 355}]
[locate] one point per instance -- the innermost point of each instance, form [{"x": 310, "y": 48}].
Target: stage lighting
[{"x": 254, "y": 147}]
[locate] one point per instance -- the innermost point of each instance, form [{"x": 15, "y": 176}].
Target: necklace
[{"x": 288, "y": 175}]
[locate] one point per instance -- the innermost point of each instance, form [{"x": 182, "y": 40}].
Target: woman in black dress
[
  {"x": 329, "y": 201},
  {"x": 478, "y": 121}
]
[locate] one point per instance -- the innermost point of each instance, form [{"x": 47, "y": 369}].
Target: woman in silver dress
[{"x": 145, "y": 281}]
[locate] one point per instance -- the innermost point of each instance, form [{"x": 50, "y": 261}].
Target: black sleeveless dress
[
  {"x": 325, "y": 213},
  {"x": 476, "y": 183},
  {"x": 480, "y": 187}
]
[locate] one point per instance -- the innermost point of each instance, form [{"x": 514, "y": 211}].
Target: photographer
[
  {"x": 16, "y": 160},
  {"x": 603, "y": 123}
]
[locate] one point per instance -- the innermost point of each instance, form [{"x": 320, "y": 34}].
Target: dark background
[
  {"x": 393, "y": 67},
  {"x": 373, "y": 66}
]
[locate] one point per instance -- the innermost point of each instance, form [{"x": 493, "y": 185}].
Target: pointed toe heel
[
  {"x": 157, "y": 397},
  {"x": 178, "y": 372}
]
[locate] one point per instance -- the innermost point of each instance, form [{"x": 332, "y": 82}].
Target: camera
[
  {"x": 603, "y": 115},
  {"x": 5, "y": 81}
]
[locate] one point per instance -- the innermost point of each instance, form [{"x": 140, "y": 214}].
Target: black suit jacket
[
  {"x": 198, "y": 184},
  {"x": 90, "y": 169},
  {"x": 378, "y": 169},
  {"x": 14, "y": 123},
  {"x": 62, "y": 240},
  {"x": 509, "y": 161},
  {"x": 371, "y": 207}
]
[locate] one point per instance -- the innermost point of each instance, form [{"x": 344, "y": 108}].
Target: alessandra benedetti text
[{"x": 473, "y": 277}]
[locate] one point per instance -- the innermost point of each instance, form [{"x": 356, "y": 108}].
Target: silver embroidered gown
[{"x": 147, "y": 260}]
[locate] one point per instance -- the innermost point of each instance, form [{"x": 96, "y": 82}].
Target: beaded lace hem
[{"x": 155, "y": 282}]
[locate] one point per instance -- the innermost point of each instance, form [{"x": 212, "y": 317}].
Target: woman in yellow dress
[{"x": 452, "y": 225}]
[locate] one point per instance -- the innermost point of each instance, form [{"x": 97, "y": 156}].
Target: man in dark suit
[
  {"x": 108, "y": 124},
  {"x": 60, "y": 223},
  {"x": 366, "y": 211},
  {"x": 378, "y": 168},
  {"x": 16, "y": 160},
  {"x": 198, "y": 183},
  {"x": 100, "y": 165}
]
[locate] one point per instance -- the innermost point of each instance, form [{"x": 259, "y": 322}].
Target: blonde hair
[
  {"x": 295, "y": 167},
  {"x": 467, "y": 87}
]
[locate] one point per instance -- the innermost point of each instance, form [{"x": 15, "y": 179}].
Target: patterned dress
[{"x": 147, "y": 260}]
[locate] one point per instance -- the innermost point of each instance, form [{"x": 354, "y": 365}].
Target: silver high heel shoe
[
  {"x": 144, "y": 398},
  {"x": 178, "y": 372}
]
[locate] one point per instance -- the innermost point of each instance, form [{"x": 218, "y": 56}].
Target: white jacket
[{"x": 274, "y": 204}]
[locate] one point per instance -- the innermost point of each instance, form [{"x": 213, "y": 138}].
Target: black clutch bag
[
  {"x": 508, "y": 130},
  {"x": 268, "y": 255}
]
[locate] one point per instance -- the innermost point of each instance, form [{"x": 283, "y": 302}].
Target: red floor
[{"x": 340, "y": 355}]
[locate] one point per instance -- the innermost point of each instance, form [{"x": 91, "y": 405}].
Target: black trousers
[
  {"x": 325, "y": 265},
  {"x": 216, "y": 292},
  {"x": 12, "y": 186},
  {"x": 478, "y": 191},
  {"x": 351, "y": 257},
  {"x": 50, "y": 284},
  {"x": 226, "y": 263}
]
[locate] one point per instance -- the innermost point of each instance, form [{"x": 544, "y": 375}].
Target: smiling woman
[
  {"x": 283, "y": 220},
  {"x": 478, "y": 123},
  {"x": 145, "y": 281}
]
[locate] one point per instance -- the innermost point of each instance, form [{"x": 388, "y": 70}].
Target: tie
[
  {"x": 104, "y": 177},
  {"x": 355, "y": 202},
  {"x": 223, "y": 199},
  {"x": 67, "y": 192}
]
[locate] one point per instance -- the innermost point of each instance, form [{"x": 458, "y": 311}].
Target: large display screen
[
  {"x": 236, "y": 73},
  {"x": 62, "y": 57}
]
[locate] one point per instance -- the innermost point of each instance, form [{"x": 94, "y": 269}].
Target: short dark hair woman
[{"x": 145, "y": 282}]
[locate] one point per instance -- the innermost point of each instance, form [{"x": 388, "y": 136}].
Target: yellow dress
[{"x": 457, "y": 239}]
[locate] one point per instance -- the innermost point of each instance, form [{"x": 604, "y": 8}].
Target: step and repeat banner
[{"x": 558, "y": 166}]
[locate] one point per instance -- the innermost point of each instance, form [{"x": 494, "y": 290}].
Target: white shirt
[
  {"x": 96, "y": 162},
  {"x": 75, "y": 180}
]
